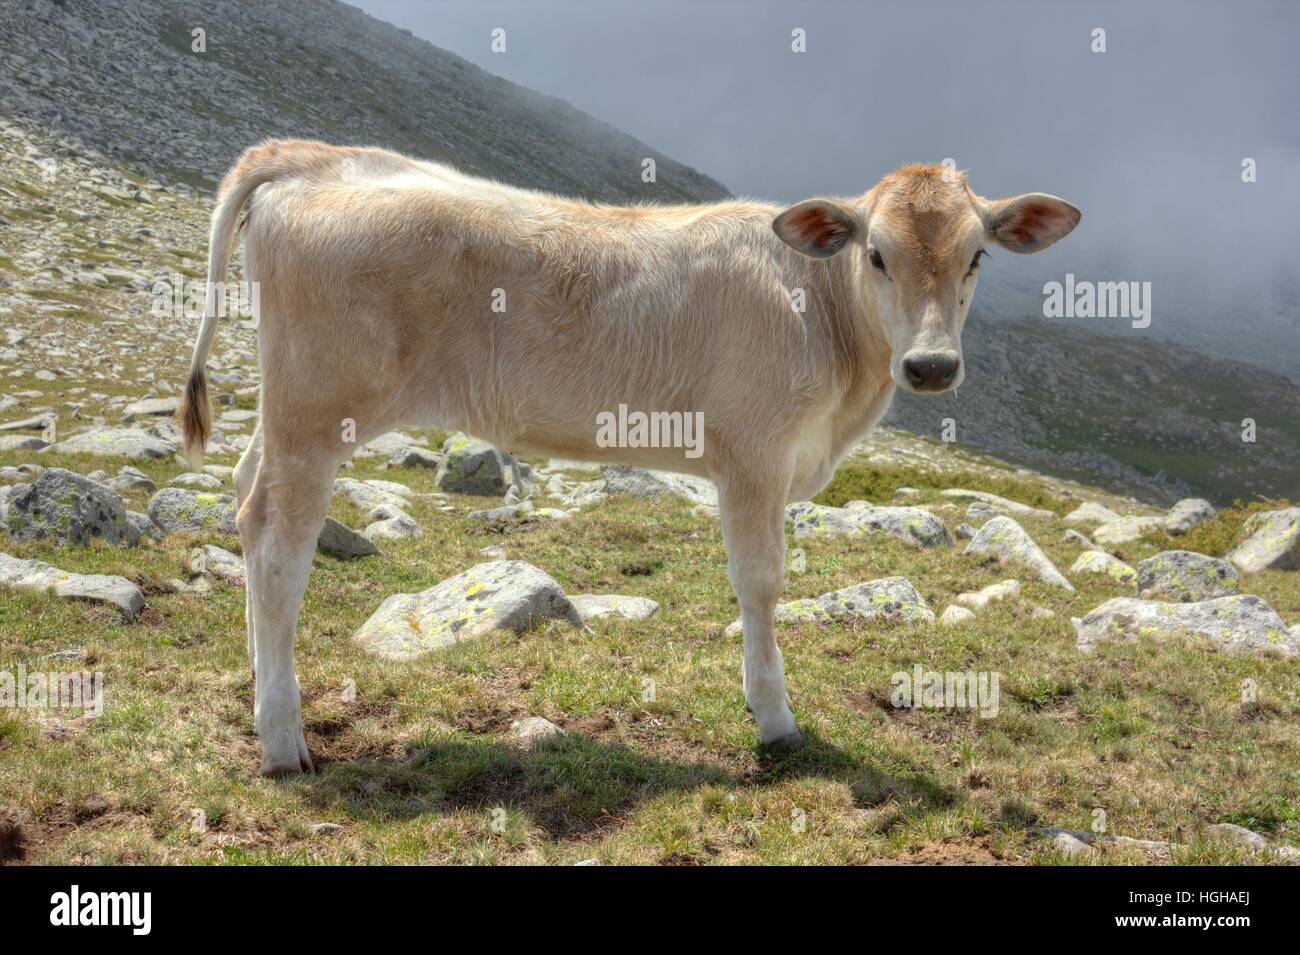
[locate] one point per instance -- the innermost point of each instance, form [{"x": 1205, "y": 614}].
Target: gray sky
[{"x": 1147, "y": 138}]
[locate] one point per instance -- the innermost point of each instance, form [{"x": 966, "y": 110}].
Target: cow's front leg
[{"x": 753, "y": 526}]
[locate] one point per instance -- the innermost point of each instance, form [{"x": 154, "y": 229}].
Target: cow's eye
[
  {"x": 975, "y": 262},
  {"x": 877, "y": 261}
]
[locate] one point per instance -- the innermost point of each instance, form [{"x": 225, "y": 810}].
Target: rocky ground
[{"x": 538, "y": 661}]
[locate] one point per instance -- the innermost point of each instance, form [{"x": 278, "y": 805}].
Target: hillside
[{"x": 119, "y": 76}]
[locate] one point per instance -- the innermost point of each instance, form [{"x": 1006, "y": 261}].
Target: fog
[{"x": 1148, "y": 137}]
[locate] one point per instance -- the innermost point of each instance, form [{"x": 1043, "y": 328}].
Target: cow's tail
[{"x": 261, "y": 164}]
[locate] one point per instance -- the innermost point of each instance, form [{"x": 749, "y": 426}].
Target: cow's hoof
[
  {"x": 290, "y": 761},
  {"x": 281, "y": 770},
  {"x": 788, "y": 743}
]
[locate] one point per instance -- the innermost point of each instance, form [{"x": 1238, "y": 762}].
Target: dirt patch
[
  {"x": 949, "y": 852},
  {"x": 14, "y": 836}
]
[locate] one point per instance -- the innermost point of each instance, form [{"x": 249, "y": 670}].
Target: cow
[{"x": 394, "y": 291}]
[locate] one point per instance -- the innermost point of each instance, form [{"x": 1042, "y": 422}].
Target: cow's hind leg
[
  {"x": 753, "y": 524},
  {"x": 278, "y": 526},
  {"x": 245, "y": 473}
]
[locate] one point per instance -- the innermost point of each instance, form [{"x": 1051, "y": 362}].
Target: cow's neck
[{"x": 867, "y": 388}]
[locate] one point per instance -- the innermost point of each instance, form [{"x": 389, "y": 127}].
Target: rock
[
  {"x": 131, "y": 443},
  {"x": 1273, "y": 542},
  {"x": 1070, "y": 842},
  {"x": 100, "y": 588},
  {"x": 368, "y": 495},
  {"x": 213, "y": 561},
  {"x": 1125, "y": 529},
  {"x": 999, "y": 591},
  {"x": 1240, "y": 835},
  {"x": 199, "y": 482},
  {"x": 1186, "y": 576},
  {"x": 1237, "y": 624},
  {"x": 23, "y": 442},
  {"x": 1186, "y": 514},
  {"x": 533, "y": 730},
  {"x": 1074, "y": 537},
  {"x": 176, "y": 509},
  {"x": 594, "y": 606},
  {"x": 1041, "y": 613},
  {"x": 150, "y": 407},
  {"x": 495, "y": 551},
  {"x": 859, "y": 519},
  {"x": 1009, "y": 543},
  {"x": 131, "y": 479},
  {"x": 1091, "y": 512},
  {"x": 640, "y": 482},
  {"x": 472, "y": 466},
  {"x": 327, "y": 830},
  {"x": 954, "y": 615},
  {"x": 145, "y": 528},
  {"x": 508, "y": 512},
  {"x": 993, "y": 500},
  {"x": 501, "y": 595},
  {"x": 963, "y": 532},
  {"x": 1100, "y": 562},
  {"x": 393, "y": 524},
  {"x": 892, "y": 599},
  {"x": 342, "y": 541},
  {"x": 394, "y": 443},
  {"x": 67, "y": 508},
  {"x": 409, "y": 456}
]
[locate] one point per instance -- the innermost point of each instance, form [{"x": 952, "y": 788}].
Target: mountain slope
[{"x": 120, "y": 76}]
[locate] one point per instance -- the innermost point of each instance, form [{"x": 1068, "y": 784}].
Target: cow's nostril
[{"x": 931, "y": 372}]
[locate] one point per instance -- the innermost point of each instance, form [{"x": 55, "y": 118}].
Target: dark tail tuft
[{"x": 194, "y": 417}]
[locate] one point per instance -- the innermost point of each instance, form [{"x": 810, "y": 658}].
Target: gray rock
[
  {"x": 1187, "y": 513},
  {"x": 859, "y": 519},
  {"x": 1000, "y": 591},
  {"x": 500, "y": 595},
  {"x": 69, "y": 509},
  {"x": 1125, "y": 530},
  {"x": 150, "y": 408},
  {"x": 342, "y": 541},
  {"x": 393, "y": 524},
  {"x": 131, "y": 443},
  {"x": 99, "y": 588},
  {"x": 23, "y": 442},
  {"x": 963, "y": 532},
  {"x": 176, "y": 509},
  {"x": 368, "y": 495},
  {"x": 131, "y": 479},
  {"x": 472, "y": 466},
  {"x": 1091, "y": 512},
  {"x": 640, "y": 482},
  {"x": 1100, "y": 562},
  {"x": 1186, "y": 576},
  {"x": 533, "y": 730},
  {"x": 394, "y": 442},
  {"x": 144, "y": 526},
  {"x": 1237, "y": 624},
  {"x": 212, "y": 561},
  {"x": 197, "y": 482},
  {"x": 595, "y": 606},
  {"x": 892, "y": 599},
  {"x": 1006, "y": 540},
  {"x": 1273, "y": 542},
  {"x": 1240, "y": 835},
  {"x": 410, "y": 456},
  {"x": 954, "y": 616},
  {"x": 1074, "y": 537},
  {"x": 993, "y": 500}
]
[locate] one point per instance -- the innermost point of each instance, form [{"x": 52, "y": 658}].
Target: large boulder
[
  {"x": 1006, "y": 540},
  {"x": 640, "y": 482},
  {"x": 1186, "y": 576},
  {"x": 500, "y": 595},
  {"x": 859, "y": 519},
  {"x": 473, "y": 466},
  {"x": 892, "y": 599},
  {"x": 1273, "y": 542},
  {"x": 1237, "y": 624},
  {"x": 177, "y": 509},
  {"x": 69, "y": 509},
  {"x": 99, "y": 588},
  {"x": 1186, "y": 514}
]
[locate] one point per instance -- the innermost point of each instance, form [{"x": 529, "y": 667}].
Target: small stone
[
  {"x": 342, "y": 541},
  {"x": 596, "y": 606},
  {"x": 1188, "y": 513},
  {"x": 533, "y": 730},
  {"x": 954, "y": 615},
  {"x": 999, "y": 591},
  {"x": 1100, "y": 562}
]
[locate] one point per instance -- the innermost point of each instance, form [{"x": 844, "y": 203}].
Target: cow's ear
[
  {"x": 816, "y": 227},
  {"x": 1029, "y": 223}
]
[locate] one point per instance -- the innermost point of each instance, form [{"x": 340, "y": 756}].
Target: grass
[{"x": 417, "y": 769}]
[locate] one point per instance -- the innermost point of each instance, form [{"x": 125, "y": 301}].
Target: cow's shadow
[{"x": 574, "y": 785}]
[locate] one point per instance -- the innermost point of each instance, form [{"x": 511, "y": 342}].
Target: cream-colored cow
[{"x": 378, "y": 279}]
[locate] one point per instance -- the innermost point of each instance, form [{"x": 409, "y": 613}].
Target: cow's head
[{"x": 916, "y": 241}]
